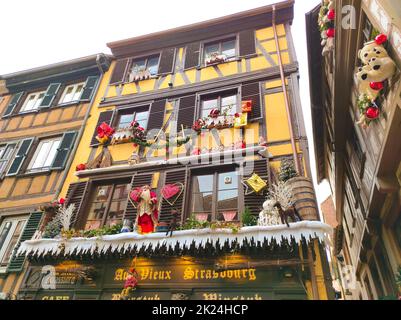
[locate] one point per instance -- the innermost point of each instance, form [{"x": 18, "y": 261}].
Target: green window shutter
[
  {"x": 20, "y": 157},
  {"x": 89, "y": 88},
  {"x": 50, "y": 94},
  {"x": 67, "y": 142},
  {"x": 12, "y": 104},
  {"x": 17, "y": 262}
]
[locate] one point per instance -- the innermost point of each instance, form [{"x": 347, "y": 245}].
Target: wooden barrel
[{"x": 304, "y": 198}]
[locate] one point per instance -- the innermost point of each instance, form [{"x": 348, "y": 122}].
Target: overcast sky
[{"x": 41, "y": 32}]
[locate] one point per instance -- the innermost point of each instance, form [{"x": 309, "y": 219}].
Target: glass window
[
  {"x": 10, "y": 233},
  {"x": 216, "y": 194},
  {"x": 107, "y": 207},
  {"x": 223, "y": 47},
  {"x": 33, "y": 101},
  {"x": 226, "y": 103},
  {"x": 44, "y": 154},
  {"x": 127, "y": 117},
  {"x": 151, "y": 64},
  {"x": 72, "y": 93},
  {"x": 6, "y": 152}
]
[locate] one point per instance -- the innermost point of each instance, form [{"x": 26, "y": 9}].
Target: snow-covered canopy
[{"x": 123, "y": 242}]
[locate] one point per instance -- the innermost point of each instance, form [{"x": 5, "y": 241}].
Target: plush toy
[
  {"x": 378, "y": 70},
  {"x": 328, "y": 47},
  {"x": 371, "y": 50}
]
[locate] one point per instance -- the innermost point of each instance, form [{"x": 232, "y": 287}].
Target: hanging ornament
[
  {"x": 331, "y": 15},
  {"x": 376, "y": 86},
  {"x": 381, "y": 39},
  {"x": 331, "y": 32},
  {"x": 80, "y": 167},
  {"x": 171, "y": 192},
  {"x": 372, "y": 113}
]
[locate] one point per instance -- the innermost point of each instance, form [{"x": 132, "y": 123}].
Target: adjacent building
[
  {"x": 355, "y": 99},
  {"x": 43, "y": 113}
]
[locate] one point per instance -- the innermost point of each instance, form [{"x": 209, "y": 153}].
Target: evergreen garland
[{"x": 287, "y": 170}]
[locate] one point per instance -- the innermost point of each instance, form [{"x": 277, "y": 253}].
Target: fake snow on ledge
[{"x": 307, "y": 230}]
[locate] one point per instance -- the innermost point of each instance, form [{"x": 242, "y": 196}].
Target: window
[
  {"x": 33, "y": 101},
  {"x": 107, "y": 205},
  {"x": 6, "y": 152},
  {"x": 224, "y": 102},
  {"x": 226, "y": 48},
  {"x": 72, "y": 93},
  {"x": 216, "y": 195},
  {"x": 44, "y": 155},
  {"x": 150, "y": 64},
  {"x": 10, "y": 232},
  {"x": 126, "y": 117}
]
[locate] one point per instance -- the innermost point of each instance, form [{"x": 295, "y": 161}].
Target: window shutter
[
  {"x": 252, "y": 92},
  {"x": 89, "y": 88},
  {"x": 166, "y": 63},
  {"x": 76, "y": 194},
  {"x": 171, "y": 178},
  {"x": 12, "y": 104},
  {"x": 247, "y": 44},
  {"x": 105, "y": 116},
  {"x": 186, "y": 112},
  {"x": 17, "y": 262},
  {"x": 156, "y": 115},
  {"x": 119, "y": 71},
  {"x": 138, "y": 180},
  {"x": 253, "y": 201},
  {"x": 50, "y": 94},
  {"x": 192, "y": 54},
  {"x": 20, "y": 157},
  {"x": 67, "y": 142}
]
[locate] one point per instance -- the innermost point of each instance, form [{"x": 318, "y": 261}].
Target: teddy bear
[
  {"x": 370, "y": 50},
  {"x": 377, "y": 70},
  {"x": 364, "y": 87}
]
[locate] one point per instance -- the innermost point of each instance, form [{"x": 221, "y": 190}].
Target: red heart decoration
[
  {"x": 380, "y": 39},
  {"x": 376, "y": 86},
  {"x": 331, "y": 15},
  {"x": 331, "y": 32},
  {"x": 171, "y": 192},
  {"x": 372, "y": 113}
]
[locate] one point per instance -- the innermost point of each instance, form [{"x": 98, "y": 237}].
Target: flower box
[{"x": 201, "y": 217}]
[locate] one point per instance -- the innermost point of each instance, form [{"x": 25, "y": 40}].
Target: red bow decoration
[
  {"x": 104, "y": 130},
  {"x": 214, "y": 113}
]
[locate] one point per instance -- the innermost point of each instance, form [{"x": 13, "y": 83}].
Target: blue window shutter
[
  {"x": 12, "y": 104},
  {"x": 17, "y": 262},
  {"x": 50, "y": 94},
  {"x": 20, "y": 157},
  {"x": 89, "y": 88},
  {"x": 67, "y": 142}
]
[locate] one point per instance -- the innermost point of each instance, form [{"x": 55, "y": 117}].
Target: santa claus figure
[{"x": 147, "y": 213}]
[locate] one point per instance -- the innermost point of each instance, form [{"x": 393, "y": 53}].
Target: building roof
[
  {"x": 203, "y": 30},
  {"x": 45, "y": 74}
]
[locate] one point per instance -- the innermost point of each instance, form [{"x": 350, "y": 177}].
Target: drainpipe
[
  {"x": 287, "y": 104},
  {"x": 82, "y": 129}
]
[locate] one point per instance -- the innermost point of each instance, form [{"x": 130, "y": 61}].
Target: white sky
[{"x": 41, "y": 32}]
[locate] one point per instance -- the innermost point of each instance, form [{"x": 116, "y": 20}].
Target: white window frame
[
  {"x": 37, "y": 101},
  {"x": 11, "y": 156},
  {"x": 74, "y": 88},
  {"x": 3, "y": 249},
  {"x": 39, "y": 150}
]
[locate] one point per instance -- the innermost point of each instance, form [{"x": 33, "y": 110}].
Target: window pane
[
  {"x": 208, "y": 105},
  {"x": 228, "y": 180},
  {"x": 202, "y": 202},
  {"x": 125, "y": 120},
  {"x": 40, "y": 159},
  {"x": 229, "y": 103},
  {"x": 98, "y": 207},
  {"x": 203, "y": 183},
  {"x": 228, "y": 48},
  {"x": 11, "y": 245},
  {"x": 52, "y": 153},
  {"x": 78, "y": 92},
  {"x": 142, "y": 118},
  {"x": 153, "y": 64},
  {"x": 4, "y": 233},
  {"x": 138, "y": 65},
  {"x": 211, "y": 48},
  {"x": 39, "y": 100}
]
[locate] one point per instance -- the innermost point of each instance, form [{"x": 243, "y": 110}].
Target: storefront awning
[{"x": 200, "y": 238}]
